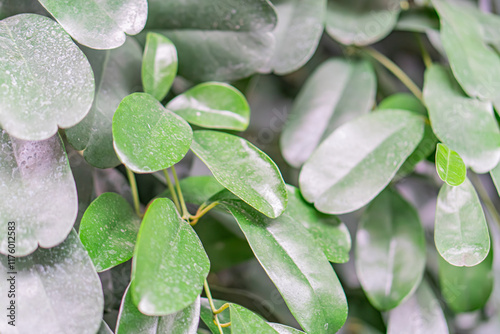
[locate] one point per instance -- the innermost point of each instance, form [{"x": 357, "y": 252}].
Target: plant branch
[
  {"x": 485, "y": 198},
  {"x": 185, "y": 212},
  {"x": 212, "y": 307},
  {"x": 202, "y": 210},
  {"x": 135, "y": 192},
  {"x": 426, "y": 57},
  {"x": 172, "y": 190}
]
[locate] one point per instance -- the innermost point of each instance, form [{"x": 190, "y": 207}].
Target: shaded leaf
[
  {"x": 495, "y": 176},
  {"x": 104, "y": 329},
  {"x": 419, "y": 19},
  {"x": 244, "y": 321},
  {"x": 197, "y": 189},
  {"x": 450, "y": 166},
  {"x": 14, "y": 7}
]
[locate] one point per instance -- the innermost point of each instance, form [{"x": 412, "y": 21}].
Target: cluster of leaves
[{"x": 79, "y": 98}]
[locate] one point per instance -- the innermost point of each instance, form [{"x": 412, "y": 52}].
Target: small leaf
[
  {"x": 99, "y": 24},
  {"x": 108, "y": 231},
  {"x": 390, "y": 250},
  {"x": 213, "y": 105},
  {"x": 159, "y": 65},
  {"x": 461, "y": 232},
  {"x": 229, "y": 157},
  {"x": 359, "y": 159},
  {"x": 450, "y": 166},
  {"x": 169, "y": 264},
  {"x": 46, "y": 80},
  {"x": 206, "y": 316},
  {"x": 147, "y": 137},
  {"x": 244, "y": 321}
]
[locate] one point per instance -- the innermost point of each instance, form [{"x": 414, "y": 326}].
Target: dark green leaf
[
  {"x": 450, "y": 166},
  {"x": 244, "y": 321},
  {"x": 419, "y": 19},
  {"x": 104, "y": 329}
]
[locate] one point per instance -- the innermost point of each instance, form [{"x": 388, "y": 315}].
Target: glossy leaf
[
  {"x": 57, "y": 291},
  {"x": 108, "y": 231},
  {"x": 229, "y": 157},
  {"x": 206, "y": 316},
  {"x": 132, "y": 321},
  {"x": 361, "y": 22},
  {"x": 244, "y": 321},
  {"x": 147, "y": 137},
  {"x": 390, "y": 250},
  {"x": 169, "y": 263},
  {"x": 461, "y": 232},
  {"x": 450, "y": 166},
  {"x": 213, "y": 105},
  {"x": 324, "y": 104},
  {"x": 159, "y": 65},
  {"x": 38, "y": 193},
  {"x": 117, "y": 74},
  {"x": 359, "y": 159},
  {"x": 282, "y": 329},
  {"x": 99, "y": 24},
  {"x": 453, "y": 114},
  {"x": 421, "y": 314},
  {"x": 45, "y": 80}
]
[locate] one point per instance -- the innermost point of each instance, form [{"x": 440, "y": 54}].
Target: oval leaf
[
  {"x": 229, "y": 157},
  {"x": 359, "y": 159},
  {"x": 213, "y": 105},
  {"x": 108, "y": 231},
  {"x": 390, "y": 246},
  {"x": 244, "y": 321},
  {"x": 45, "y": 79},
  {"x": 147, "y": 137},
  {"x": 450, "y": 166},
  {"x": 461, "y": 232},
  {"x": 169, "y": 264}
]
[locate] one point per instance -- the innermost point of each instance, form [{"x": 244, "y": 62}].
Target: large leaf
[
  {"x": 229, "y": 157},
  {"x": 361, "y": 22},
  {"x": 57, "y": 291},
  {"x": 38, "y": 193},
  {"x": 297, "y": 266},
  {"x": 390, "y": 250},
  {"x": 45, "y": 79},
  {"x": 450, "y": 166},
  {"x": 99, "y": 24},
  {"x": 169, "y": 264},
  {"x": 117, "y": 74},
  {"x": 213, "y": 105},
  {"x": 219, "y": 40},
  {"x": 244, "y": 321},
  {"x": 324, "y": 104},
  {"x": 147, "y": 137},
  {"x": 108, "y": 231},
  {"x": 461, "y": 232},
  {"x": 453, "y": 114},
  {"x": 132, "y": 321},
  {"x": 359, "y": 159}
]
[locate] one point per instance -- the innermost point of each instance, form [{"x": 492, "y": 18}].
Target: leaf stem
[
  {"x": 172, "y": 190},
  {"x": 202, "y": 210},
  {"x": 212, "y": 306},
  {"x": 483, "y": 194},
  {"x": 426, "y": 57},
  {"x": 185, "y": 212},
  {"x": 135, "y": 192}
]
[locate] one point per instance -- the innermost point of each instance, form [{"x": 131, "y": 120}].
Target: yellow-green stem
[
  {"x": 426, "y": 57},
  {"x": 202, "y": 210},
  {"x": 172, "y": 190},
  {"x": 483, "y": 194},
  {"x": 135, "y": 192},
  {"x": 185, "y": 212},
  {"x": 212, "y": 306}
]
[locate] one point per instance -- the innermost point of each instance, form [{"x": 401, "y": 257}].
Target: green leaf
[
  {"x": 359, "y": 159},
  {"x": 461, "y": 232},
  {"x": 229, "y": 157},
  {"x": 99, "y": 24},
  {"x": 108, "y": 231},
  {"x": 390, "y": 250},
  {"x": 159, "y": 65},
  {"x": 299, "y": 29},
  {"x": 117, "y": 73},
  {"x": 169, "y": 264},
  {"x": 213, "y": 105},
  {"x": 282, "y": 329},
  {"x": 421, "y": 314},
  {"x": 206, "y": 316},
  {"x": 221, "y": 40},
  {"x": 403, "y": 101},
  {"x": 57, "y": 290},
  {"x": 104, "y": 329},
  {"x": 132, "y": 321},
  {"x": 324, "y": 104},
  {"x": 45, "y": 79},
  {"x": 14, "y": 7},
  {"x": 466, "y": 289},
  {"x": 244, "y": 321},
  {"x": 450, "y": 166},
  {"x": 495, "y": 176},
  {"x": 38, "y": 193},
  {"x": 288, "y": 253},
  {"x": 453, "y": 114},
  {"x": 147, "y": 137},
  {"x": 361, "y": 22},
  {"x": 418, "y": 19}
]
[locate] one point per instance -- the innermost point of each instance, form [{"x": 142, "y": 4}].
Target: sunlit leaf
[
  {"x": 244, "y": 321},
  {"x": 450, "y": 166}
]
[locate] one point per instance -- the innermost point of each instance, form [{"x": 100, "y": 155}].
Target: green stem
[
  {"x": 202, "y": 210},
  {"x": 426, "y": 57},
  {"x": 135, "y": 192},
  {"x": 485, "y": 198},
  {"x": 185, "y": 212},
  {"x": 212, "y": 306},
  {"x": 172, "y": 190}
]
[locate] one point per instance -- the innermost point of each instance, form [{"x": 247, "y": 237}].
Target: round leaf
[{"x": 450, "y": 166}]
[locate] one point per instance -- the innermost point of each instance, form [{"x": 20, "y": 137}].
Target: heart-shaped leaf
[
  {"x": 38, "y": 193},
  {"x": 147, "y": 137},
  {"x": 229, "y": 157},
  {"x": 117, "y": 73},
  {"x": 390, "y": 245},
  {"x": 213, "y": 105},
  {"x": 324, "y": 104},
  {"x": 359, "y": 159},
  {"x": 159, "y": 65},
  {"x": 99, "y": 24},
  {"x": 460, "y": 232},
  {"x": 45, "y": 80},
  {"x": 57, "y": 291},
  {"x": 108, "y": 231},
  {"x": 169, "y": 264},
  {"x": 244, "y": 321},
  {"x": 450, "y": 166}
]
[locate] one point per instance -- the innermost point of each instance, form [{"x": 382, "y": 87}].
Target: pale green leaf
[{"x": 244, "y": 321}]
